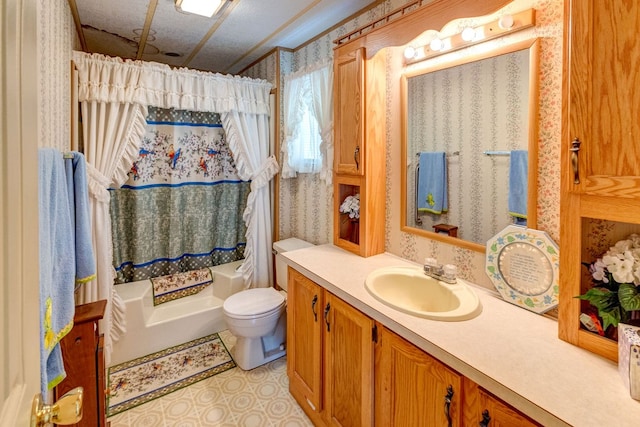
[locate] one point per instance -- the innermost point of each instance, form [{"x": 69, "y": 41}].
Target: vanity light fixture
[
  {"x": 206, "y": 8},
  {"x": 506, "y": 24}
]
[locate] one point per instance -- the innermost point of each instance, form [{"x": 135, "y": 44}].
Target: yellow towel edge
[{"x": 85, "y": 279}]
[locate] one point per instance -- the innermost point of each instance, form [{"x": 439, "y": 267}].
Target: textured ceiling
[{"x": 238, "y": 35}]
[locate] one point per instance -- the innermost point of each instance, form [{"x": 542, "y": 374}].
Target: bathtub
[{"x": 153, "y": 328}]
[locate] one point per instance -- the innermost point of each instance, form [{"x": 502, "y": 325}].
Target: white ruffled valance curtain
[
  {"x": 114, "y": 94},
  {"x": 310, "y": 88}
]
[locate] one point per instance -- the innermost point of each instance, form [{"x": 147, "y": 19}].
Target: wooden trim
[
  {"x": 151, "y": 10},
  {"x": 532, "y": 196},
  {"x": 398, "y": 32},
  {"x": 76, "y": 20},
  {"x": 74, "y": 109},
  {"x": 341, "y": 23}
]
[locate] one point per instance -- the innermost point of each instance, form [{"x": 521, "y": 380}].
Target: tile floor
[{"x": 259, "y": 397}]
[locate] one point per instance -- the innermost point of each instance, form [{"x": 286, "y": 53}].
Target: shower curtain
[
  {"x": 181, "y": 208},
  {"x": 114, "y": 96}
]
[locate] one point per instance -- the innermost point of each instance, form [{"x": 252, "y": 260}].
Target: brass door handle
[{"x": 67, "y": 410}]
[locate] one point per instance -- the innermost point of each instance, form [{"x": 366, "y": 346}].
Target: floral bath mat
[
  {"x": 179, "y": 285},
  {"x": 138, "y": 381}
]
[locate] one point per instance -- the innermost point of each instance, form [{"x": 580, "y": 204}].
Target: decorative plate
[{"x": 523, "y": 265}]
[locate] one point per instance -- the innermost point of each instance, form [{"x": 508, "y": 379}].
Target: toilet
[{"x": 257, "y": 317}]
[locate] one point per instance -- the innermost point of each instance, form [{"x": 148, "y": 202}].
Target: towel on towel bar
[
  {"x": 57, "y": 265},
  {"x": 518, "y": 171},
  {"x": 432, "y": 183}
]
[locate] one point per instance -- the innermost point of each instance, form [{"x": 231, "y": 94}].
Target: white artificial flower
[{"x": 623, "y": 245}]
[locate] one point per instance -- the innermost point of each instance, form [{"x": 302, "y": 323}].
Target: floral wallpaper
[
  {"x": 306, "y": 209},
  {"x": 56, "y": 39}
]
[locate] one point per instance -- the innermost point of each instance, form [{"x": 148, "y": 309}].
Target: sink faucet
[{"x": 446, "y": 273}]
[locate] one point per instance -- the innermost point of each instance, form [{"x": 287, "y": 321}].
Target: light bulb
[
  {"x": 436, "y": 45},
  {"x": 505, "y": 22},
  {"x": 468, "y": 34},
  {"x": 409, "y": 52}
]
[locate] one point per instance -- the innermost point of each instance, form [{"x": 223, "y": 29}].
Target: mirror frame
[{"x": 532, "y": 178}]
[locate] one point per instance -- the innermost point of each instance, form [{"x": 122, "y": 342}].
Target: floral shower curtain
[
  {"x": 181, "y": 208},
  {"x": 107, "y": 84}
]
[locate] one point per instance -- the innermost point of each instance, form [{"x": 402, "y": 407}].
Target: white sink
[{"x": 409, "y": 290}]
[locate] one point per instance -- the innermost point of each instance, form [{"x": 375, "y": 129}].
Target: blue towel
[
  {"x": 78, "y": 192},
  {"x": 518, "y": 171},
  {"x": 432, "y": 183},
  {"x": 57, "y": 265}
]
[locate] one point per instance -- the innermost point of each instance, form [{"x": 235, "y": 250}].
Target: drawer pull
[
  {"x": 326, "y": 316},
  {"x": 575, "y": 147},
  {"x": 447, "y": 404},
  {"x": 314, "y": 302},
  {"x": 486, "y": 419}
]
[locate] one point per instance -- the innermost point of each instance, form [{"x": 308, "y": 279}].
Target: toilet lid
[{"x": 253, "y": 302}]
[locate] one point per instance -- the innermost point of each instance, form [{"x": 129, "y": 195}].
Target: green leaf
[
  {"x": 609, "y": 317},
  {"x": 494, "y": 247},
  {"x": 529, "y": 302},
  {"x": 511, "y": 239},
  {"x": 551, "y": 250},
  {"x": 600, "y": 298},
  {"x": 629, "y": 296},
  {"x": 491, "y": 269}
]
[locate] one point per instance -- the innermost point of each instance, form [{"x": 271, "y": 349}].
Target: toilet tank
[{"x": 286, "y": 245}]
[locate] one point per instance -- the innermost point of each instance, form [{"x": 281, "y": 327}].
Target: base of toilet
[{"x": 249, "y": 353}]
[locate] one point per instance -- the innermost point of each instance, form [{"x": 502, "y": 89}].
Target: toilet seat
[{"x": 252, "y": 303}]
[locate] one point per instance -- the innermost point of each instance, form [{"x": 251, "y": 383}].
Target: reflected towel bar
[{"x": 497, "y": 153}]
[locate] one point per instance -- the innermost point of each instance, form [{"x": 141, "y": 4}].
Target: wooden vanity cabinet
[
  {"x": 329, "y": 355},
  {"x": 483, "y": 409},
  {"x": 600, "y": 154},
  {"x": 359, "y": 147},
  {"x": 413, "y": 388},
  {"x": 345, "y": 369}
]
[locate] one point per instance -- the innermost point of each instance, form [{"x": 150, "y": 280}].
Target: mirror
[{"x": 477, "y": 110}]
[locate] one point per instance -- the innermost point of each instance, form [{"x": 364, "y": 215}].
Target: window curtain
[
  {"x": 310, "y": 88},
  {"x": 107, "y": 85}
]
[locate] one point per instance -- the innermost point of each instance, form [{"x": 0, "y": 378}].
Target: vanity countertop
[{"x": 512, "y": 352}]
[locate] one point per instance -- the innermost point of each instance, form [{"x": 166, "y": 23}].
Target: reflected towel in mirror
[
  {"x": 518, "y": 171},
  {"x": 432, "y": 183}
]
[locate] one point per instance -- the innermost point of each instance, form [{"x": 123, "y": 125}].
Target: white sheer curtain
[
  {"x": 112, "y": 133},
  {"x": 248, "y": 136},
  {"x": 310, "y": 89},
  {"x": 115, "y": 94}
]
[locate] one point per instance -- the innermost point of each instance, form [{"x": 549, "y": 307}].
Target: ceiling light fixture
[{"x": 206, "y": 8}]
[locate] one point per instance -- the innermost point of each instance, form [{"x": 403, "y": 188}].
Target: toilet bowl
[{"x": 257, "y": 317}]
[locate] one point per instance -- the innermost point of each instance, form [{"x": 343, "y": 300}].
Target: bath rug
[
  {"x": 180, "y": 285},
  {"x": 139, "y": 381}
]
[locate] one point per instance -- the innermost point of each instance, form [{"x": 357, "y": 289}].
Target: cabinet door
[
  {"x": 604, "y": 96},
  {"x": 499, "y": 414},
  {"x": 348, "y": 360},
  {"x": 304, "y": 342},
  {"x": 601, "y": 180},
  {"x": 414, "y": 389},
  {"x": 349, "y": 113}
]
